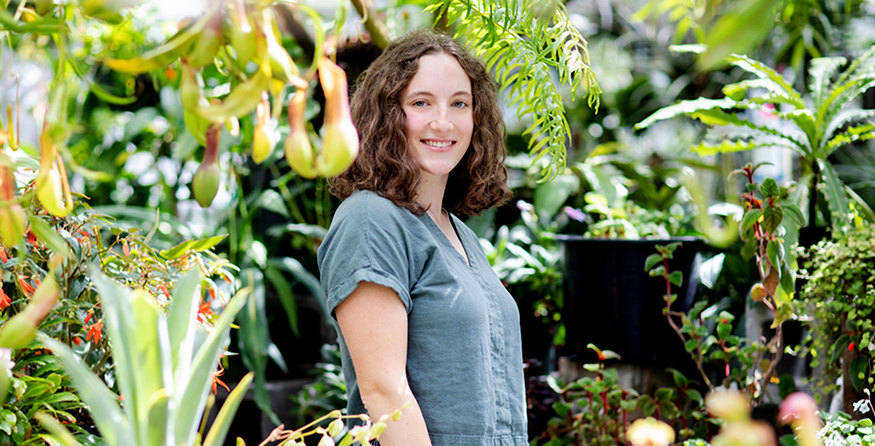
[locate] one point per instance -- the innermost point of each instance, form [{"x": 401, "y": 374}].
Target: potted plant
[
  {"x": 837, "y": 303},
  {"x": 604, "y": 269}
]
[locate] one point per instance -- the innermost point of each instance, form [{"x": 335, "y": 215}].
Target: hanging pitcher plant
[
  {"x": 52, "y": 186},
  {"x": 12, "y": 217}
]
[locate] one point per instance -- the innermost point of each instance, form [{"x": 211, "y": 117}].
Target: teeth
[{"x": 437, "y": 144}]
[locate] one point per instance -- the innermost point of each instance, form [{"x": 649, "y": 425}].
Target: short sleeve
[{"x": 365, "y": 243}]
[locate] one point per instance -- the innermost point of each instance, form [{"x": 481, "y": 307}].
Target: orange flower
[
  {"x": 3, "y": 257},
  {"x": 26, "y": 287},
  {"x": 205, "y": 310},
  {"x": 219, "y": 372},
  {"x": 95, "y": 332},
  {"x": 4, "y": 300}
]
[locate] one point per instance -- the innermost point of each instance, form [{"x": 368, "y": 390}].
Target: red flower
[
  {"x": 95, "y": 332},
  {"x": 3, "y": 257},
  {"x": 28, "y": 290},
  {"x": 4, "y": 300},
  {"x": 219, "y": 372},
  {"x": 851, "y": 347}
]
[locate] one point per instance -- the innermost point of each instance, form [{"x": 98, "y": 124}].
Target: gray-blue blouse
[{"x": 464, "y": 354}]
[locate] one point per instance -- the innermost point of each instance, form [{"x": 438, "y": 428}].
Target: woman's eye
[
  {"x": 419, "y": 104},
  {"x": 460, "y": 104}
]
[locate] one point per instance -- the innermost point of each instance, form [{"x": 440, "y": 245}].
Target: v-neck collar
[{"x": 436, "y": 231}]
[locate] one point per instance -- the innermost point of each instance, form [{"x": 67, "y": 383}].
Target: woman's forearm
[{"x": 410, "y": 429}]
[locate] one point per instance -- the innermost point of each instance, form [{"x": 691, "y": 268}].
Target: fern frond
[
  {"x": 521, "y": 49},
  {"x": 822, "y": 70},
  {"x": 858, "y": 133},
  {"x": 865, "y": 59},
  {"x": 763, "y": 71},
  {"x": 841, "y": 95},
  {"x": 834, "y": 191},
  {"x": 841, "y": 119}
]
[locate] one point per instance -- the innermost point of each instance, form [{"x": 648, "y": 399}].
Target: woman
[{"x": 422, "y": 319}]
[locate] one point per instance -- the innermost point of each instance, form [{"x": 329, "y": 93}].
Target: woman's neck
[{"x": 431, "y": 195}]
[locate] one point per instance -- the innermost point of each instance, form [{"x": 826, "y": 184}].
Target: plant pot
[{"x": 611, "y": 302}]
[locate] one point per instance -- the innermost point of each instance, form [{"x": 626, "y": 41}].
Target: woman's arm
[{"x": 373, "y": 321}]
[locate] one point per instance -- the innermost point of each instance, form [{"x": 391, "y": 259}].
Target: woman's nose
[{"x": 442, "y": 121}]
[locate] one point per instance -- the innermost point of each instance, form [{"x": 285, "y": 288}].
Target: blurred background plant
[{"x": 133, "y": 143}]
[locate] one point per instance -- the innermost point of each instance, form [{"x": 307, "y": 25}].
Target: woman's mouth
[{"x": 437, "y": 144}]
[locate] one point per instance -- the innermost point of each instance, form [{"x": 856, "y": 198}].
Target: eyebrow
[{"x": 428, "y": 93}]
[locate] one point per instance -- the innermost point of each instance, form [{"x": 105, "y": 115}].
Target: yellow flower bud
[
  {"x": 340, "y": 142},
  {"x": 758, "y": 292},
  {"x": 335, "y": 428},
  {"x": 299, "y": 152},
  {"x": 263, "y": 135},
  {"x": 262, "y": 143}
]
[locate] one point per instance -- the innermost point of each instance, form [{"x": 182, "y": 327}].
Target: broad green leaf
[
  {"x": 839, "y": 348},
  {"x": 121, "y": 327},
  {"x": 834, "y": 191},
  {"x": 676, "y": 278},
  {"x": 652, "y": 260},
  {"x": 192, "y": 245},
  {"x": 775, "y": 252},
  {"x": 192, "y": 398},
  {"x": 294, "y": 267},
  {"x": 792, "y": 210},
  {"x": 154, "y": 422},
  {"x": 107, "y": 415},
  {"x": 219, "y": 429},
  {"x": 769, "y": 188},
  {"x": 253, "y": 337},
  {"x": 739, "y": 29},
  {"x": 750, "y": 217},
  {"x": 691, "y": 345},
  {"x": 772, "y": 217},
  {"x": 287, "y": 298},
  {"x": 148, "y": 370},
  {"x": 48, "y": 235},
  {"x": 181, "y": 318}
]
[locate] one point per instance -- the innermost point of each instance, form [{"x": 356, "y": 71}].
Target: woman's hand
[{"x": 373, "y": 321}]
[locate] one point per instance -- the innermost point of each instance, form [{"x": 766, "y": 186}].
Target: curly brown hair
[{"x": 386, "y": 165}]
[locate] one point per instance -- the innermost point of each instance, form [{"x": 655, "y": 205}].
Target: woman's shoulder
[{"x": 368, "y": 207}]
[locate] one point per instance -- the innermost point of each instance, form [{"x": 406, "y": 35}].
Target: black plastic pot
[{"x": 611, "y": 302}]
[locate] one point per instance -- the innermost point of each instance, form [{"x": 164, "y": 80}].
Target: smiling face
[{"x": 438, "y": 105}]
